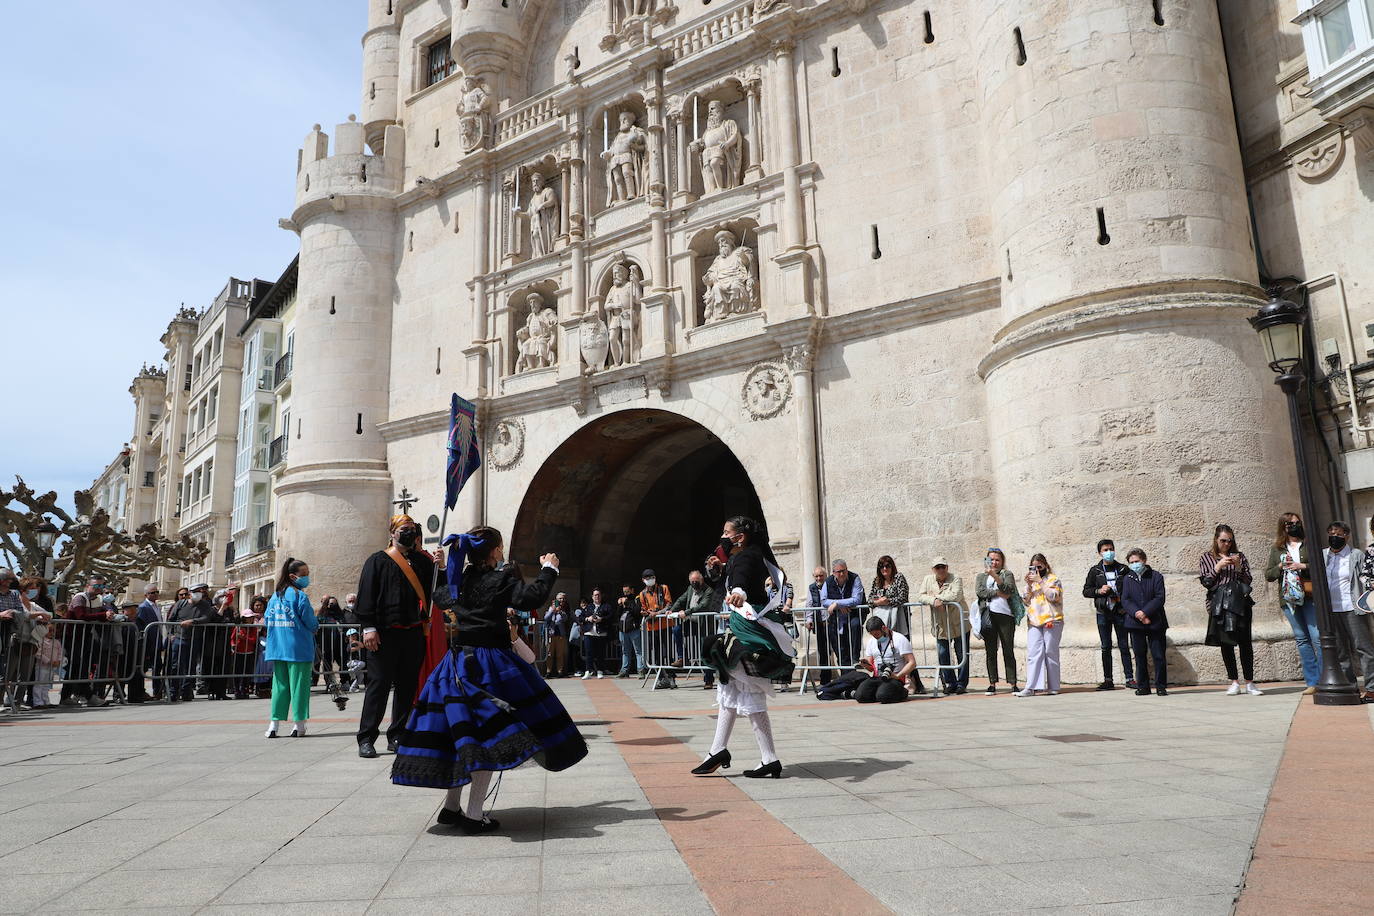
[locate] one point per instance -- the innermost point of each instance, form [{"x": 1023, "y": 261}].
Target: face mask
[
  {"x": 406, "y": 537},
  {"x": 197, "y": 596},
  {"x": 302, "y": 582},
  {"x": 650, "y": 583},
  {"x": 31, "y": 594},
  {"x": 726, "y": 544},
  {"x": 1137, "y": 567},
  {"x": 1294, "y": 529},
  {"x": 349, "y": 605},
  {"x": 1336, "y": 541},
  {"x": 1109, "y": 555}
]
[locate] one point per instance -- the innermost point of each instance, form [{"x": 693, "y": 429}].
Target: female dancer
[
  {"x": 754, "y": 648},
  {"x": 291, "y": 627},
  {"x": 485, "y": 709}
]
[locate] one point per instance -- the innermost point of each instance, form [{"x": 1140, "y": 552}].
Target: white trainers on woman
[
  {"x": 1254, "y": 691},
  {"x": 1234, "y": 689}
]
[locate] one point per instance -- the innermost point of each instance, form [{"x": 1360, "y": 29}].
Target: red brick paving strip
[
  {"x": 711, "y": 822},
  {"x": 1314, "y": 853}
]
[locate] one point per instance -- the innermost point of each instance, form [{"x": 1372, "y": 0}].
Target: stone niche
[
  {"x": 531, "y": 315},
  {"x": 618, "y": 157},
  {"x": 723, "y": 284},
  {"x": 610, "y": 330},
  {"x": 534, "y": 216},
  {"x": 715, "y": 137}
]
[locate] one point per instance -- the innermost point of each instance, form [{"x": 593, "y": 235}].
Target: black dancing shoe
[
  {"x": 450, "y": 818},
  {"x": 767, "y": 771},
  {"x": 392, "y": 745},
  {"x": 471, "y": 825},
  {"x": 365, "y": 749},
  {"x": 713, "y": 763}
]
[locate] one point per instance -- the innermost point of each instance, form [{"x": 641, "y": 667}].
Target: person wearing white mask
[{"x": 1142, "y": 597}]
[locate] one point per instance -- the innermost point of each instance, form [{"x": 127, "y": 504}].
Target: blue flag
[{"x": 464, "y": 455}]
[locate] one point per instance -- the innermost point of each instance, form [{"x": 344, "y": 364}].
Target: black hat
[{"x": 648, "y": 574}]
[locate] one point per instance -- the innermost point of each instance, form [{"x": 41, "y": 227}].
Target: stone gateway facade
[{"x": 904, "y": 278}]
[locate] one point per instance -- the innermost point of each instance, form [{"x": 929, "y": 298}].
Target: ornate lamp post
[
  {"x": 46, "y": 533},
  {"x": 1281, "y": 325}
]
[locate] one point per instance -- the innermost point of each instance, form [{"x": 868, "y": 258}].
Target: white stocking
[
  {"x": 453, "y": 799},
  {"x": 477, "y": 793},
  {"x": 725, "y": 723},
  {"x": 763, "y": 734}
]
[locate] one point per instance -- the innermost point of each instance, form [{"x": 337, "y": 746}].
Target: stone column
[
  {"x": 682, "y": 192},
  {"x": 577, "y": 222},
  {"x": 784, "y": 81},
  {"x": 753, "y": 168},
  {"x": 653, "y": 98},
  {"x": 800, "y": 359},
  {"x": 564, "y": 181}
]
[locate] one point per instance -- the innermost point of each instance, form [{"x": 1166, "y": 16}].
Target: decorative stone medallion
[
  {"x": 1318, "y": 160},
  {"x": 766, "y": 391},
  {"x": 507, "y": 444}
]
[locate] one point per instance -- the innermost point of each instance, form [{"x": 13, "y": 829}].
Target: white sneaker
[
  {"x": 589, "y": 674},
  {"x": 298, "y": 730},
  {"x": 271, "y": 731},
  {"x": 598, "y": 675},
  {"x": 1024, "y": 693},
  {"x": 1234, "y": 689},
  {"x": 1254, "y": 691}
]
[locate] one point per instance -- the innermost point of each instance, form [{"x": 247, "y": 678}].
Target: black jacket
[
  {"x": 481, "y": 610},
  {"x": 607, "y": 613},
  {"x": 1144, "y": 592},
  {"x": 200, "y": 611},
  {"x": 385, "y": 596},
  {"x": 1097, "y": 577},
  {"x": 631, "y": 614}
]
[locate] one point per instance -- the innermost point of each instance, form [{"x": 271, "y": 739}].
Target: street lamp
[
  {"x": 47, "y": 536},
  {"x": 1282, "y": 325}
]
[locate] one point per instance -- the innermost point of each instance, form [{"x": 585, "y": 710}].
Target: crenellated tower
[
  {"x": 337, "y": 488},
  {"x": 1125, "y": 391}
]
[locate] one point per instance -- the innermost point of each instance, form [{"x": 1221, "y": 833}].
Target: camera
[{"x": 887, "y": 670}]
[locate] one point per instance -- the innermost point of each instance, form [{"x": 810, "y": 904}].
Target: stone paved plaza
[{"x": 961, "y": 804}]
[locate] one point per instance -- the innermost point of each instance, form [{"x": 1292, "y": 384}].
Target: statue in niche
[
  {"x": 543, "y": 216},
  {"x": 474, "y": 113},
  {"x": 626, "y": 161},
  {"x": 719, "y": 148},
  {"x": 731, "y": 288},
  {"x": 622, "y": 303},
  {"x": 537, "y": 342}
]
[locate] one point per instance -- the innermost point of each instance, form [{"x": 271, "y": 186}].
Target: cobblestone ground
[{"x": 1081, "y": 803}]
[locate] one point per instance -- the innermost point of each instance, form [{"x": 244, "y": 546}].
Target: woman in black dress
[
  {"x": 485, "y": 709},
  {"x": 754, "y": 649}
]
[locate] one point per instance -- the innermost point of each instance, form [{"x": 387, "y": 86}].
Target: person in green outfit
[{"x": 291, "y": 627}]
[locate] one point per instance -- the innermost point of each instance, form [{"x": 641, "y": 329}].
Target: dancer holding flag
[
  {"x": 484, "y": 708},
  {"x": 753, "y": 650}
]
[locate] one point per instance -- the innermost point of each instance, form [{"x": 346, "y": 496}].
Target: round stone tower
[
  {"x": 1127, "y": 397},
  {"x": 381, "y": 71},
  {"x": 335, "y": 494}
]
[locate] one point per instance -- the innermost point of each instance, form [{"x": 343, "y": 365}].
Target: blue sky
[{"x": 150, "y": 149}]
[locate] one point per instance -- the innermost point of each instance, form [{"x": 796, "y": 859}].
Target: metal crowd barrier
[
  {"x": 109, "y": 661},
  {"x": 676, "y": 644},
  {"x": 835, "y": 643}
]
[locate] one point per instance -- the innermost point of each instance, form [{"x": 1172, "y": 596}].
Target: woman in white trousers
[{"x": 1043, "y": 595}]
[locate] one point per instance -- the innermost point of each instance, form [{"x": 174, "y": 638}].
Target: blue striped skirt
[{"x": 483, "y": 709}]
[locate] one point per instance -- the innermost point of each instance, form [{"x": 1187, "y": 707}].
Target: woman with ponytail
[
  {"x": 484, "y": 709},
  {"x": 291, "y": 627}
]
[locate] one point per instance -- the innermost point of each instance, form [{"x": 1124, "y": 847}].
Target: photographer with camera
[{"x": 892, "y": 659}]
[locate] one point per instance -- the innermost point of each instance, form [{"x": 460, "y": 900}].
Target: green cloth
[{"x": 291, "y": 685}]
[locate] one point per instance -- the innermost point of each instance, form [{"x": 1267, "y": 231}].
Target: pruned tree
[{"x": 89, "y": 543}]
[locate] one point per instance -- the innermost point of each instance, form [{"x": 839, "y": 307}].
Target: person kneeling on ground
[
  {"x": 892, "y": 659},
  {"x": 843, "y": 687}
]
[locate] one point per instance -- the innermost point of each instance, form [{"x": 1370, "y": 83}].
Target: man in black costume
[{"x": 393, "y": 590}]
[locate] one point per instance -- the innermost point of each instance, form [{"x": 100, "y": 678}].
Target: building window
[
  {"x": 1338, "y": 36},
  {"x": 438, "y": 61}
]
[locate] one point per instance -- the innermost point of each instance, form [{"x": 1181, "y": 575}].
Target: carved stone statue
[
  {"x": 537, "y": 342},
  {"x": 626, "y": 161},
  {"x": 622, "y": 304},
  {"x": 543, "y": 215},
  {"x": 719, "y": 148},
  {"x": 474, "y": 113},
  {"x": 731, "y": 288}
]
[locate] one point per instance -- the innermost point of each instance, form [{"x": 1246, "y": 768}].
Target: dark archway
[{"x": 637, "y": 489}]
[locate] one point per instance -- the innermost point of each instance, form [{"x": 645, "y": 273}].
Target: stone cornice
[
  {"x": 417, "y": 425},
  {"x": 1113, "y": 310},
  {"x": 906, "y": 313}
]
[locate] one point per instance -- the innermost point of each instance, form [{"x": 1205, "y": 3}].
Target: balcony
[
  {"x": 229, "y": 554},
  {"x": 267, "y": 536},
  {"x": 282, "y": 371},
  {"x": 276, "y": 451}
]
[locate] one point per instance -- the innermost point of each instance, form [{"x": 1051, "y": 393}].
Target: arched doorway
[{"x": 634, "y": 490}]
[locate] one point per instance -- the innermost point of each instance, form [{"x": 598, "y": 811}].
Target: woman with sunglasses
[
  {"x": 887, "y": 595},
  {"x": 1225, "y": 573}
]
